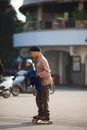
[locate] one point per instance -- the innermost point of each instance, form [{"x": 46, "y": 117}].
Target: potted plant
[{"x": 80, "y": 18}]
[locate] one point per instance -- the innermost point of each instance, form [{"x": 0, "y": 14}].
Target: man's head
[{"x": 35, "y": 51}]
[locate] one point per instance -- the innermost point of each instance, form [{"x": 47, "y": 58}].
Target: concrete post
[
  {"x": 39, "y": 16},
  {"x": 60, "y": 67},
  {"x": 40, "y": 11}
]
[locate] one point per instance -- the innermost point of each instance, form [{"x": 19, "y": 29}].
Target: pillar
[
  {"x": 60, "y": 67},
  {"x": 40, "y": 11}
]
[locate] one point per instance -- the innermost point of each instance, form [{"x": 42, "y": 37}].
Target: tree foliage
[
  {"x": 9, "y": 24},
  {"x": 79, "y": 14}
]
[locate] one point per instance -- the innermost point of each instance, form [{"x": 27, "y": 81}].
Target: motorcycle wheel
[
  {"x": 6, "y": 94},
  {"x": 15, "y": 91}
]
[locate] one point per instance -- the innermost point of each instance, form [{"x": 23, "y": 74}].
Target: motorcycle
[
  {"x": 6, "y": 86},
  {"x": 19, "y": 84}
]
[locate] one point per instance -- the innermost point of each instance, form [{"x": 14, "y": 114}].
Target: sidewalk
[{"x": 68, "y": 111}]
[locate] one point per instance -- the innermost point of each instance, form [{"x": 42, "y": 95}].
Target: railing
[{"x": 60, "y": 23}]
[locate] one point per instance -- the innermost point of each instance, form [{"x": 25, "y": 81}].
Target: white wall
[{"x": 51, "y": 38}]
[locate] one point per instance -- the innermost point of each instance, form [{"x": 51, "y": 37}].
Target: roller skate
[{"x": 41, "y": 120}]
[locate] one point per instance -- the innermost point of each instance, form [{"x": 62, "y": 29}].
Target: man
[{"x": 42, "y": 71}]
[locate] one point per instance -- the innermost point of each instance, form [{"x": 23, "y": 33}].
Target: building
[{"x": 59, "y": 27}]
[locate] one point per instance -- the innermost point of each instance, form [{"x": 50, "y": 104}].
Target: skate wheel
[
  {"x": 44, "y": 122},
  {"x": 34, "y": 121},
  {"x": 41, "y": 122}
]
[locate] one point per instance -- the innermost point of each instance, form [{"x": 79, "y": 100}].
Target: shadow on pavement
[{"x": 22, "y": 125}]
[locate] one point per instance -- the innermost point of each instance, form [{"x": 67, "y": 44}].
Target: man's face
[{"x": 34, "y": 54}]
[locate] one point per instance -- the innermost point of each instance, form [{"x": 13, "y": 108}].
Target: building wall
[
  {"x": 58, "y": 44},
  {"x": 62, "y": 37},
  {"x": 80, "y": 77},
  {"x": 76, "y": 78}
]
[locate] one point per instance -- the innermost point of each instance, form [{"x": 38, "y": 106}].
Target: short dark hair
[{"x": 35, "y": 48}]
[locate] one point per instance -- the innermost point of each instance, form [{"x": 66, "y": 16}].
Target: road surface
[{"x": 68, "y": 111}]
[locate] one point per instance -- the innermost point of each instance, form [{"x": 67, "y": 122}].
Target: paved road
[{"x": 68, "y": 112}]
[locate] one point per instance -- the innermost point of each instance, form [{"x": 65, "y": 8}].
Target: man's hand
[{"x": 37, "y": 75}]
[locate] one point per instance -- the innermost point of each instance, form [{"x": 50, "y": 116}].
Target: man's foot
[
  {"x": 40, "y": 117},
  {"x": 39, "y": 121}
]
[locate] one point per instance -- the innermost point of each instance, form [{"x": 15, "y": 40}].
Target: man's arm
[{"x": 46, "y": 70}]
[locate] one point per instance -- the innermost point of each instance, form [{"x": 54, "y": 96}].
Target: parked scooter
[
  {"x": 19, "y": 84},
  {"x": 6, "y": 86}
]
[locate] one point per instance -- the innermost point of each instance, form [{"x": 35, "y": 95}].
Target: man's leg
[
  {"x": 42, "y": 99},
  {"x": 45, "y": 95},
  {"x": 39, "y": 103}
]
